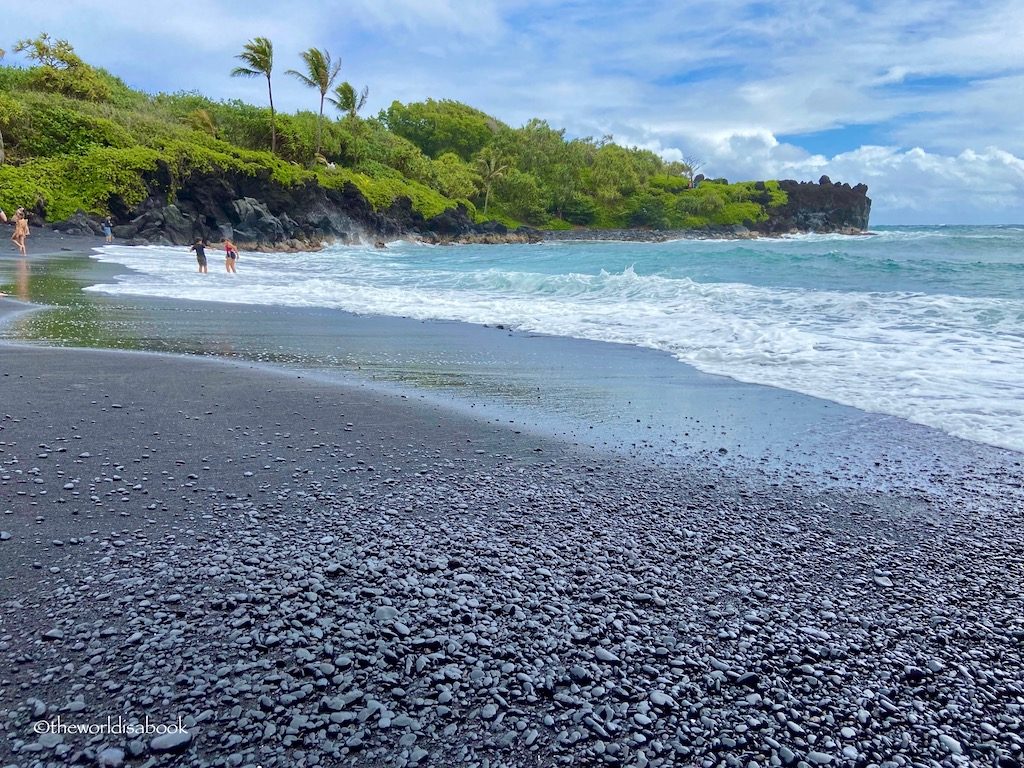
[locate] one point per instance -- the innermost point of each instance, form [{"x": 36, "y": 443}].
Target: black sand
[{"x": 314, "y": 573}]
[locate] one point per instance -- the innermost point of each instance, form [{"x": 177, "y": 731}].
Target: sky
[{"x": 921, "y": 101}]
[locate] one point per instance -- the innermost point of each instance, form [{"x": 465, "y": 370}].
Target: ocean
[{"x": 921, "y": 323}]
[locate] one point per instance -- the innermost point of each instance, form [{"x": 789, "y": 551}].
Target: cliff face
[
  {"x": 257, "y": 212},
  {"x": 820, "y": 207}
]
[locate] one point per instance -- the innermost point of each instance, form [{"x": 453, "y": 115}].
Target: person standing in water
[
  {"x": 230, "y": 257},
  {"x": 108, "y": 229},
  {"x": 200, "y": 248},
  {"x": 20, "y": 230}
]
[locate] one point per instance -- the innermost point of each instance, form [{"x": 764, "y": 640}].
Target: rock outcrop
[
  {"x": 259, "y": 213},
  {"x": 819, "y": 207}
]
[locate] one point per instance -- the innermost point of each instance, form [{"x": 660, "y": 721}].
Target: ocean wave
[{"x": 947, "y": 361}]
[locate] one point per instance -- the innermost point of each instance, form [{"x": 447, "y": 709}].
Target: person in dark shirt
[{"x": 200, "y": 248}]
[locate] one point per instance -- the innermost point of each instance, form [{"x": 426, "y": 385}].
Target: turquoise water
[{"x": 924, "y": 323}]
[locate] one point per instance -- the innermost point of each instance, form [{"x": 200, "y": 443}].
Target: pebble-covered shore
[{"x": 316, "y": 575}]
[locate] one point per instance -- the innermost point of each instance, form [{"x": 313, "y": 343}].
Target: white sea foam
[{"x": 951, "y": 362}]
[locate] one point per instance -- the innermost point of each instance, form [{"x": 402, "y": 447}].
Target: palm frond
[{"x": 302, "y": 78}]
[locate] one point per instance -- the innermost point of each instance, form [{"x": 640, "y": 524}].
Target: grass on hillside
[{"x": 82, "y": 140}]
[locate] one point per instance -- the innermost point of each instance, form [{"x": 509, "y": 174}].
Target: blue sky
[{"x": 919, "y": 100}]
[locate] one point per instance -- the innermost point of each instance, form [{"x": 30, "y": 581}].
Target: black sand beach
[{"x": 309, "y": 571}]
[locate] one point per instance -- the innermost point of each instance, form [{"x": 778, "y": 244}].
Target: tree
[
  {"x": 648, "y": 209},
  {"x": 258, "y": 56},
  {"x": 693, "y": 164},
  {"x": 62, "y": 71},
  {"x": 612, "y": 175},
  {"x": 347, "y": 100},
  {"x": 491, "y": 167},
  {"x": 202, "y": 120},
  {"x": 443, "y": 126},
  {"x": 57, "y": 54},
  {"x": 557, "y": 164},
  {"x": 452, "y": 177},
  {"x": 320, "y": 73},
  {"x": 521, "y": 196}
]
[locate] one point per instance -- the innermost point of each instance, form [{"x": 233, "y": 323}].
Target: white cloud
[
  {"x": 720, "y": 79},
  {"x": 905, "y": 185}
]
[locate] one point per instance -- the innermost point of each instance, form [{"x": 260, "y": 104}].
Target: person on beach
[
  {"x": 108, "y": 229},
  {"x": 200, "y": 248},
  {"x": 20, "y": 231},
  {"x": 3, "y": 216},
  {"x": 230, "y": 257}
]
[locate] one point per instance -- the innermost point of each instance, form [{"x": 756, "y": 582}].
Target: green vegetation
[
  {"x": 258, "y": 57},
  {"x": 320, "y": 73},
  {"x": 348, "y": 101},
  {"x": 74, "y": 137}
]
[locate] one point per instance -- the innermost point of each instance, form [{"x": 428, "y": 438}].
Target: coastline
[
  {"x": 591, "y": 393},
  {"x": 405, "y": 584},
  {"x": 606, "y": 396},
  {"x": 56, "y": 241}
]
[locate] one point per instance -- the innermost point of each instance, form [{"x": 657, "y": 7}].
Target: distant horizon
[
  {"x": 945, "y": 224},
  {"x": 888, "y": 94}
]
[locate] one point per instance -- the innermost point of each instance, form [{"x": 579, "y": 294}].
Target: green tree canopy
[
  {"x": 437, "y": 127},
  {"x": 453, "y": 178},
  {"x": 521, "y": 196},
  {"x": 612, "y": 175}
]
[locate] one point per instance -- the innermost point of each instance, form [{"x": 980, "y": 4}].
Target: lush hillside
[{"x": 77, "y": 138}]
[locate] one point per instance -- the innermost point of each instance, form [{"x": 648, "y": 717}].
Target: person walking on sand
[
  {"x": 108, "y": 229},
  {"x": 200, "y": 248},
  {"x": 230, "y": 257}
]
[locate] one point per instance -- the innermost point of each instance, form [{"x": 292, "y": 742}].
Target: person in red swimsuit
[{"x": 230, "y": 256}]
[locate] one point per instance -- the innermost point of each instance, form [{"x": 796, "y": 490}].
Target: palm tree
[
  {"x": 258, "y": 55},
  {"x": 347, "y": 100},
  {"x": 492, "y": 167},
  {"x": 320, "y": 73}
]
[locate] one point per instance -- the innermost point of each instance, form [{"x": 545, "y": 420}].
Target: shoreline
[
  {"x": 819, "y": 429},
  {"x": 308, "y": 569},
  {"x": 521, "y": 236}
]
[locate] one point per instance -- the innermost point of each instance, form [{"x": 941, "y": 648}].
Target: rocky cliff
[
  {"x": 257, "y": 212},
  {"x": 820, "y": 207}
]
